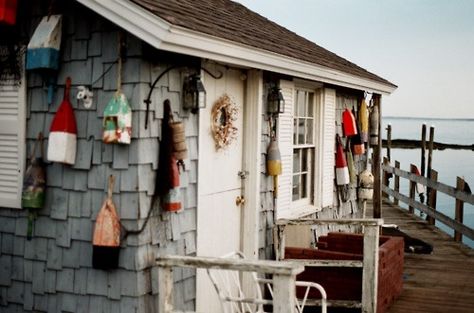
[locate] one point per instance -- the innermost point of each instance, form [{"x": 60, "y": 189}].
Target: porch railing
[
  {"x": 369, "y": 264},
  {"x": 283, "y": 277}
]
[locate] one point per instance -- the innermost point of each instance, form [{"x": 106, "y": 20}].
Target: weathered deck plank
[{"x": 440, "y": 282}]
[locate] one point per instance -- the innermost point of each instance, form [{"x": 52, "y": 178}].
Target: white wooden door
[{"x": 218, "y": 217}]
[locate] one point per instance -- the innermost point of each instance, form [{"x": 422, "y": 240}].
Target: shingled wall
[{"x": 53, "y": 271}]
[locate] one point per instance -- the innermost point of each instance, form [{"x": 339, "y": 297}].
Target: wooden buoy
[
  {"x": 349, "y": 123},
  {"x": 106, "y": 240},
  {"x": 8, "y": 9},
  {"x": 172, "y": 199},
  {"x": 342, "y": 171},
  {"x": 63, "y": 132},
  {"x": 374, "y": 126},
  {"x": 117, "y": 120},
  {"x": 366, "y": 185},
  {"x": 274, "y": 167},
  {"x": 178, "y": 138},
  {"x": 364, "y": 121}
]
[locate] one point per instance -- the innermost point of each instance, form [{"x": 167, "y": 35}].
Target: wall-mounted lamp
[
  {"x": 194, "y": 94},
  {"x": 275, "y": 101}
]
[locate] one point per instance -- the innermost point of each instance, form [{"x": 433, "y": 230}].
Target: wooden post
[
  {"x": 423, "y": 149},
  {"x": 459, "y": 214},
  {"x": 284, "y": 293},
  {"x": 165, "y": 296},
  {"x": 377, "y": 201},
  {"x": 412, "y": 188},
  {"x": 396, "y": 183},
  {"x": 385, "y": 179},
  {"x": 389, "y": 141},
  {"x": 370, "y": 269},
  {"x": 430, "y": 156},
  {"x": 432, "y": 197}
]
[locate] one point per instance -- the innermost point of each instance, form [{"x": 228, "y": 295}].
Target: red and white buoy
[
  {"x": 342, "y": 171},
  {"x": 349, "y": 123},
  {"x": 63, "y": 132}
]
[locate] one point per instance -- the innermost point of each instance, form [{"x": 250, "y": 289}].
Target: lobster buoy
[
  {"x": 274, "y": 167},
  {"x": 366, "y": 185},
  {"x": 420, "y": 188},
  {"x": 172, "y": 199},
  {"x": 117, "y": 121},
  {"x": 342, "y": 171},
  {"x": 364, "y": 121},
  {"x": 349, "y": 123},
  {"x": 63, "y": 132},
  {"x": 374, "y": 126}
]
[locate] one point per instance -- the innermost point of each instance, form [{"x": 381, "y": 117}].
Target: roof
[
  {"x": 233, "y": 21},
  {"x": 228, "y": 32}
]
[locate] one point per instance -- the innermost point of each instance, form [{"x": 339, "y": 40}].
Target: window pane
[
  {"x": 296, "y": 187},
  {"x": 309, "y": 131},
  {"x": 304, "y": 160},
  {"x": 310, "y": 104},
  {"x": 304, "y": 186},
  {"x": 295, "y": 131},
  {"x": 296, "y": 161},
  {"x": 301, "y": 131},
  {"x": 301, "y": 103}
]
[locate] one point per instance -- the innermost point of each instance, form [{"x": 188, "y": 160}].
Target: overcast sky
[{"x": 426, "y": 47}]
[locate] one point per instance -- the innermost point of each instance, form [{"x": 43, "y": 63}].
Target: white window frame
[{"x": 12, "y": 200}]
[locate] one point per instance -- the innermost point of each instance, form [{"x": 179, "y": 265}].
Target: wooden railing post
[
  {"x": 423, "y": 150},
  {"x": 459, "y": 214},
  {"x": 165, "y": 296},
  {"x": 430, "y": 156},
  {"x": 432, "y": 196},
  {"x": 385, "y": 175},
  {"x": 370, "y": 269},
  {"x": 412, "y": 188},
  {"x": 377, "y": 160},
  {"x": 396, "y": 183},
  {"x": 389, "y": 141},
  {"x": 284, "y": 293}
]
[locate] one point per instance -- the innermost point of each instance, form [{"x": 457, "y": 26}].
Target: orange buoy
[
  {"x": 172, "y": 199},
  {"x": 349, "y": 123},
  {"x": 364, "y": 121},
  {"x": 274, "y": 167},
  {"x": 342, "y": 171}
]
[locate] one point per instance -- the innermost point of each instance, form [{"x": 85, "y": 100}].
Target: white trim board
[{"x": 165, "y": 36}]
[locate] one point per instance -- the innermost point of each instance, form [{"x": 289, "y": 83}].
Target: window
[
  {"x": 12, "y": 142},
  {"x": 306, "y": 133}
]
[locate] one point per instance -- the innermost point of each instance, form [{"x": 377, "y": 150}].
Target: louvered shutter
[
  {"x": 328, "y": 141},
  {"x": 285, "y": 142},
  {"x": 12, "y": 143}
]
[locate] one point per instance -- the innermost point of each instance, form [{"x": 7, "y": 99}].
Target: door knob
[{"x": 240, "y": 200}]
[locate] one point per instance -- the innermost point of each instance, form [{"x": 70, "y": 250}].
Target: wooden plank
[
  {"x": 466, "y": 231},
  {"x": 376, "y": 159},
  {"x": 459, "y": 211},
  {"x": 284, "y": 293},
  {"x": 165, "y": 297},
  {"x": 389, "y": 141},
  {"x": 260, "y": 266},
  {"x": 396, "y": 182},
  {"x": 351, "y": 221},
  {"x": 370, "y": 269},
  {"x": 432, "y": 196},
  {"x": 327, "y": 263},
  {"x": 446, "y": 189}
]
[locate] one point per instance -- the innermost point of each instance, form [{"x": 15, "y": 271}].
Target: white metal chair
[{"x": 233, "y": 300}]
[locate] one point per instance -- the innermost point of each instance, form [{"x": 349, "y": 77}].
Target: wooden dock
[{"x": 439, "y": 282}]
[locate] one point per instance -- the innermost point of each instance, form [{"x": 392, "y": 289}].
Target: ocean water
[{"x": 448, "y": 163}]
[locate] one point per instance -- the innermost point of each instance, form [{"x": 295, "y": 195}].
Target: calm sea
[{"x": 448, "y": 163}]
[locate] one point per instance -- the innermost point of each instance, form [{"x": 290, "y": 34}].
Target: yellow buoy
[{"x": 274, "y": 167}]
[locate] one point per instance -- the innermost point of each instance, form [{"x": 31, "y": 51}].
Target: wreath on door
[{"x": 223, "y": 116}]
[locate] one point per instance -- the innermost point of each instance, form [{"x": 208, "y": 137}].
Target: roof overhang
[{"x": 165, "y": 36}]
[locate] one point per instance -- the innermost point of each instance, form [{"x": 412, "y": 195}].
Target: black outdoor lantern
[
  {"x": 275, "y": 101},
  {"x": 194, "y": 94}
]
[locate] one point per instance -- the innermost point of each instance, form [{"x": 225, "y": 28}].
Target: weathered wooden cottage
[{"x": 158, "y": 49}]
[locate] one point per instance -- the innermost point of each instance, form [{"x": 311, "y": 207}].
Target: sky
[{"x": 425, "y": 47}]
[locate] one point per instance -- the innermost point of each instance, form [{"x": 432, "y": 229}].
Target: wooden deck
[{"x": 440, "y": 282}]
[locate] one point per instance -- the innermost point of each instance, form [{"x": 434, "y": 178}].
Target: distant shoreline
[{"x": 428, "y": 118}]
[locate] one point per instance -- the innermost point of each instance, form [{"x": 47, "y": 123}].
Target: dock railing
[
  {"x": 283, "y": 276},
  {"x": 432, "y": 186},
  {"x": 369, "y": 264}
]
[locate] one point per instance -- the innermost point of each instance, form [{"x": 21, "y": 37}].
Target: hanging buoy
[
  {"x": 63, "y": 132},
  {"x": 106, "y": 240},
  {"x": 117, "y": 120},
  {"x": 420, "y": 188},
  {"x": 349, "y": 123},
  {"x": 366, "y": 185},
  {"x": 274, "y": 167},
  {"x": 364, "y": 121},
  {"x": 43, "y": 50},
  {"x": 172, "y": 199},
  {"x": 8, "y": 9},
  {"x": 374, "y": 126},
  {"x": 350, "y": 164},
  {"x": 342, "y": 172},
  {"x": 178, "y": 138}
]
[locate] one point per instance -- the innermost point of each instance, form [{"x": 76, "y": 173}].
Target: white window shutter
[
  {"x": 328, "y": 141},
  {"x": 12, "y": 143},
  {"x": 285, "y": 142}
]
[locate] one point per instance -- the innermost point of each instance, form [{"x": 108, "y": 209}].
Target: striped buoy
[
  {"x": 63, "y": 132},
  {"x": 342, "y": 171},
  {"x": 274, "y": 167},
  {"x": 349, "y": 123},
  {"x": 364, "y": 121},
  {"x": 172, "y": 199}
]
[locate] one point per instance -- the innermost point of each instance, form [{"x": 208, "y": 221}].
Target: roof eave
[{"x": 165, "y": 36}]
